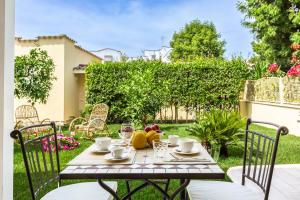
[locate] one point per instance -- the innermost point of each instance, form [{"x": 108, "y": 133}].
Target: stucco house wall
[{"x": 63, "y": 101}]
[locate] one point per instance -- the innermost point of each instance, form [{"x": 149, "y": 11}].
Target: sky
[{"x": 130, "y": 25}]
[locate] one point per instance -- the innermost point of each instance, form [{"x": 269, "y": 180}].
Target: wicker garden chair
[
  {"x": 27, "y": 115},
  {"x": 96, "y": 121}
]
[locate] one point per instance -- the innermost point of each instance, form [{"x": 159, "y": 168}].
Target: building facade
[
  {"x": 109, "y": 55},
  {"x": 162, "y": 54},
  {"x": 67, "y": 96}
]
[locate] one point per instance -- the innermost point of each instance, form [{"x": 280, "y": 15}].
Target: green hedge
[{"x": 137, "y": 90}]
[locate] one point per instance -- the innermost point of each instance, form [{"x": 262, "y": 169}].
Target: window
[{"x": 108, "y": 58}]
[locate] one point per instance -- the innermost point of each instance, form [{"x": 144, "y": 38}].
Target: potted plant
[{"x": 218, "y": 128}]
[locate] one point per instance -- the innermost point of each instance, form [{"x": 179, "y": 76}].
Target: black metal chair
[
  {"x": 41, "y": 159},
  {"x": 258, "y": 164}
]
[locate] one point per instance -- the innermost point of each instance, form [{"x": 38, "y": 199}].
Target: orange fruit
[
  {"x": 151, "y": 136},
  {"x": 139, "y": 140}
]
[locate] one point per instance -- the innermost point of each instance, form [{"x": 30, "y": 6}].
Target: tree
[
  {"x": 275, "y": 24},
  {"x": 34, "y": 75},
  {"x": 142, "y": 93},
  {"x": 197, "y": 39}
]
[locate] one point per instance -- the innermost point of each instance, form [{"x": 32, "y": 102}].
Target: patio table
[{"x": 141, "y": 166}]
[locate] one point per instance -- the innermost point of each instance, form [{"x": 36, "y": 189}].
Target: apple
[
  {"x": 155, "y": 127},
  {"x": 147, "y": 129}
]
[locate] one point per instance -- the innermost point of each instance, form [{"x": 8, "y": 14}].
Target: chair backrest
[
  {"x": 99, "y": 111},
  {"x": 40, "y": 157},
  {"x": 26, "y": 114},
  {"x": 260, "y": 154}
]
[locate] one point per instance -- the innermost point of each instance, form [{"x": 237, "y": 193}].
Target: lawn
[{"x": 288, "y": 153}]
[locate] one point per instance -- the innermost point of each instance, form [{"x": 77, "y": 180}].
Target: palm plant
[
  {"x": 201, "y": 130},
  {"x": 220, "y": 127}
]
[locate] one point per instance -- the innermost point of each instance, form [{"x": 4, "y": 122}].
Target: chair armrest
[
  {"x": 45, "y": 120},
  {"x": 76, "y": 119},
  {"x": 17, "y": 124}
]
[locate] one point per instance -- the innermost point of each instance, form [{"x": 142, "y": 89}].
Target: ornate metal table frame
[
  {"x": 144, "y": 169},
  {"x": 181, "y": 189}
]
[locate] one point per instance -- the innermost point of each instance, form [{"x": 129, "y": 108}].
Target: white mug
[
  {"x": 186, "y": 145},
  {"x": 103, "y": 143},
  {"x": 173, "y": 139},
  {"x": 117, "y": 152}
]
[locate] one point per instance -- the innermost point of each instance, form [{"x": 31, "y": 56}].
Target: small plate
[
  {"x": 110, "y": 158},
  {"x": 119, "y": 143},
  {"x": 172, "y": 145},
  {"x": 194, "y": 151},
  {"x": 96, "y": 150}
]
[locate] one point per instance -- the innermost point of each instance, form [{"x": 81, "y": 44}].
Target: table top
[{"x": 142, "y": 166}]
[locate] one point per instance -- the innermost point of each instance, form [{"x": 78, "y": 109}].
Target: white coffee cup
[
  {"x": 186, "y": 145},
  {"x": 173, "y": 139},
  {"x": 103, "y": 143},
  {"x": 117, "y": 152}
]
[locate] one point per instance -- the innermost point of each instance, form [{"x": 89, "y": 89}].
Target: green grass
[{"x": 288, "y": 153}]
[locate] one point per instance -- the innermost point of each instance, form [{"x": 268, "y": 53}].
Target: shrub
[
  {"x": 217, "y": 126},
  {"x": 137, "y": 90}
]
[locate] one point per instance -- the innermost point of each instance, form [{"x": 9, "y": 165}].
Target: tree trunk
[
  {"x": 172, "y": 114},
  {"x": 176, "y": 113},
  {"x": 160, "y": 115},
  {"x": 165, "y": 117},
  {"x": 186, "y": 114}
]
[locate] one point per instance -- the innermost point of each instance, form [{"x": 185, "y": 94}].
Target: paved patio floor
[{"x": 285, "y": 183}]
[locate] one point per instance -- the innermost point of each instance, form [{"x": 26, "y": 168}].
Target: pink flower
[
  {"x": 66, "y": 147},
  {"x": 272, "y": 68},
  {"x": 294, "y": 71}
]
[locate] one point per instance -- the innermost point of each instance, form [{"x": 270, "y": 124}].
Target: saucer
[
  {"x": 96, "y": 150},
  {"x": 172, "y": 145},
  {"x": 119, "y": 143},
  {"x": 193, "y": 151},
  {"x": 109, "y": 157}
]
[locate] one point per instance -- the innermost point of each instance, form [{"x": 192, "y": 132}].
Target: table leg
[
  {"x": 181, "y": 189},
  {"x": 183, "y": 192},
  {"x": 108, "y": 189}
]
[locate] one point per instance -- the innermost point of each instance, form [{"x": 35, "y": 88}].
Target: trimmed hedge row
[{"x": 137, "y": 90}]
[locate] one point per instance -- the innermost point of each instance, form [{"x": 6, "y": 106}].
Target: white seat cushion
[
  {"x": 213, "y": 190},
  {"x": 79, "y": 191}
]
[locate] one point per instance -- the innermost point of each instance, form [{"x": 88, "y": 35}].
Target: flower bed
[{"x": 63, "y": 142}]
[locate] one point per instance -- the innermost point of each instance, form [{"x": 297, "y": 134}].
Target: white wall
[
  {"x": 7, "y": 32},
  {"x": 63, "y": 101},
  {"x": 281, "y": 114},
  {"x": 162, "y": 54},
  {"x": 116, "y": 55},
  {"x": 54, "y": 108}
]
